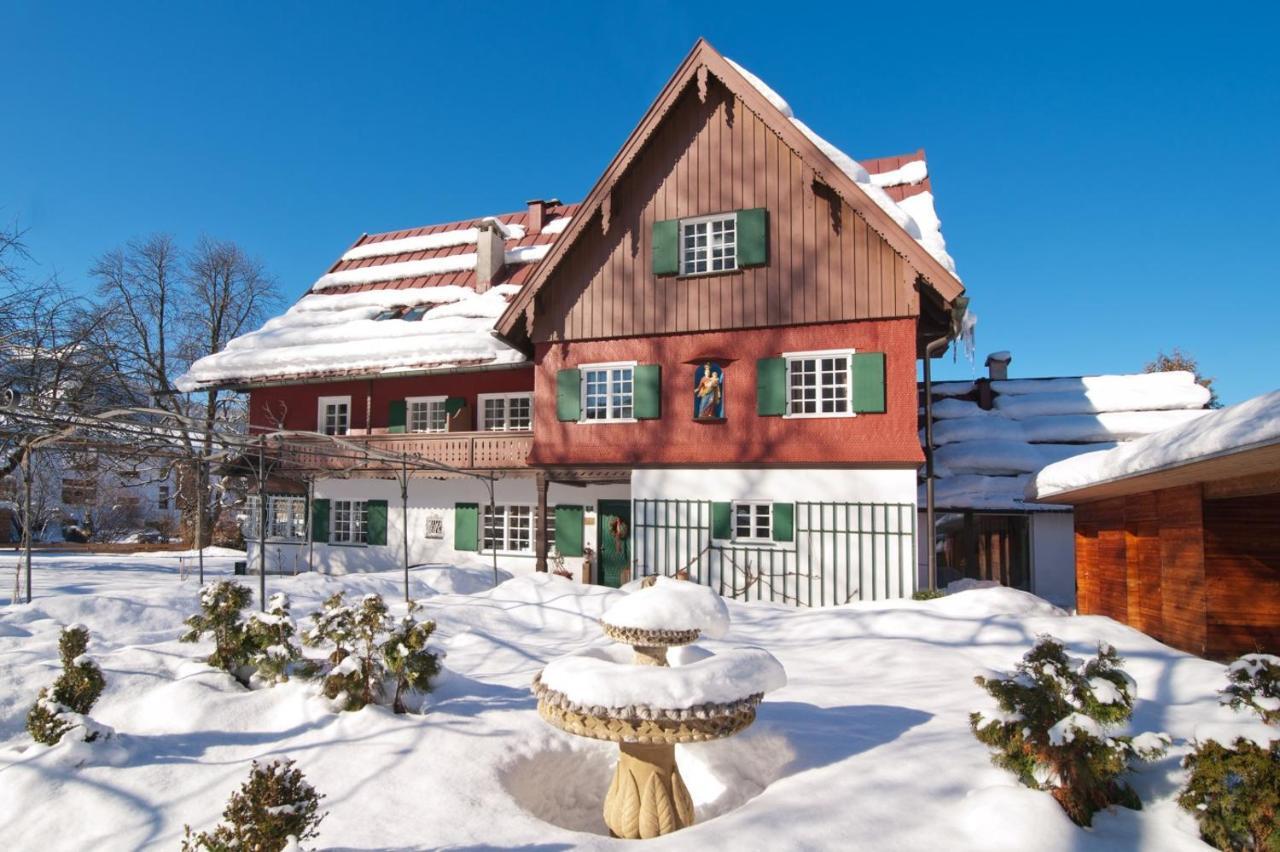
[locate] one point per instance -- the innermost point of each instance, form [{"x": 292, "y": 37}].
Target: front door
[{"x": 613, "y": 541}]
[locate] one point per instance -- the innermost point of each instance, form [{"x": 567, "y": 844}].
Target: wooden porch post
[{"x": 540, "y": 530}]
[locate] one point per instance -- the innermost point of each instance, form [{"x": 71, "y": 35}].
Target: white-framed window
[
  {"x": 819, "y": 384},
  {"x": 508, "y": 529},
  {"x": 286, "y": 518},
  {"x": 350, "y": 524},
  {"x": 333, "y": 416},
  {"x": 608, "y": 392},
  {"x": 709, "y": 244},
  {"x": 505, "y": 412},
  {"x": 752, "y": 520},
  {"x": 426, "y": 414},
  {"x": 435, "y": 524},
  {"x": 162, "y": 498}
]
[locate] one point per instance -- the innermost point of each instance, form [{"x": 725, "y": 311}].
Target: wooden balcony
[{"x": 464, "y": 450}]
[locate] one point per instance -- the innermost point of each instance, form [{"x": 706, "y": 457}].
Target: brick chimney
[
  {"x": 490, "y": 254},
  {"x": 538, "y": 210},
  {"x": 998, "y": 365}
]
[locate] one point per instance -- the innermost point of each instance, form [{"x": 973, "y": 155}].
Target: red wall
[
  {"x": 298, "y": 403},
  {"x": 744, "y": 437}
]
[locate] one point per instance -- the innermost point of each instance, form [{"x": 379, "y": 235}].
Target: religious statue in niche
[{"x": 708, "y": 392}]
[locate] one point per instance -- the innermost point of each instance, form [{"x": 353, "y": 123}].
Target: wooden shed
[{"x": 1178, "y": 534}]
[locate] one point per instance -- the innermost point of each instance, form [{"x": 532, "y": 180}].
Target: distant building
[
  {"x": 1178, "y": 534},
  {"x": 992, "y": 434}
]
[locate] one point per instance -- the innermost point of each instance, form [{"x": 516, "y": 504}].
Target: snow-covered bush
[
  {"x": 1254, "y": 682},
  {"x": 928, "y": 594},
  {"x": 274, "y": 810},
  {"x": 1055, "y": 727},
  {"x": 272, "y": 637},
  {"x": 1234, "y": 791},
  {"x": 73, "y": 694},
  {"x": 408, "y": 658},
  {"x": 368, "y": 650},
  {"x": 220, "y": 617}
]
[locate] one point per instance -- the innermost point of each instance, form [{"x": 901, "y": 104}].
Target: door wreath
[{"x": 618, "y": 531}]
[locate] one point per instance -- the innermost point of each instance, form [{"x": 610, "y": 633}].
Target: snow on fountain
[{"x": 665, "y": 691}]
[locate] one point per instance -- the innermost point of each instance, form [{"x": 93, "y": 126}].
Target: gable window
[
  {"x": 608, "y": 392},
  {"x": 350, "y": 522},
  {"x": 427, "y": 414},
  {"x": 505, "y": 412},
  {"x": 507, "y": 528},
  {"x": 752, "y": 521},
  {"x": 818, "y": 384},
  {"x": 709, "y": 244},
  {"x": 334, "y": 415}
]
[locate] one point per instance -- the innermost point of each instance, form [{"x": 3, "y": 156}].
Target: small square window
[
  {"x": 607, "y": 392},
  {"x": 427, "y": 414},
  {"x": 506, "y": 412},
  {"x": 752, "y": 521},
  {"x": 335, "y": 415},
  {"x": 818, "y": 384},
  {"x": 709, "y": 244}
]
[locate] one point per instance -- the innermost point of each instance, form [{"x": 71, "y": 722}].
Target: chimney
[
  {"x": 538, "y": 209},
  {"x": 998, "y": 365},
  {"x": 490, "y": 254}
]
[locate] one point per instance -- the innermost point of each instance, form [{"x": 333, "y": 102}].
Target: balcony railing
[{"x": 466, "y": 450}]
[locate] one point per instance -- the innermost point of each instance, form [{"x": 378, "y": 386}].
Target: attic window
[
  {"x": 708, "y": 244},
  {"x": 415, "y": 313},
  {"x": 390, "y": 313}
]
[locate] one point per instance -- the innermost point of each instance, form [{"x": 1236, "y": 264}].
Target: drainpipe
[{"x": 932, "y": 557}]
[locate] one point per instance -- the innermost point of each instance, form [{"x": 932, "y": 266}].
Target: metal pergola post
[
  {"x": 262, "y": 525},
  {"x": 404, "y": 517},
  {"x": 26, "y": 514}
]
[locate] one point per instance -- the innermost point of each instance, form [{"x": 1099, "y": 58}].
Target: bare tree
[{"x": 168, "y": 308}]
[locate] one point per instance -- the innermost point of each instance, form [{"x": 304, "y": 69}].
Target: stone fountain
[{"x": 666, "y": 691}]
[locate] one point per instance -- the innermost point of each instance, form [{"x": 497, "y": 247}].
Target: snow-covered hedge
[{"x": 1055, "y": 727}]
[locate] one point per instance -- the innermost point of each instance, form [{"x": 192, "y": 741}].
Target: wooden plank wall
[
  {"x": 1242, "y": 558},
  {"x": 825, "y": 262},
  {"x": 1200, "y": 575}
]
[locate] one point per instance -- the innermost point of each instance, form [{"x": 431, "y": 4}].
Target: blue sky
[{"x": 1106, "y": 175}]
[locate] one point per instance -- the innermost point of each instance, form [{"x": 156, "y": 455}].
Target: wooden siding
[
  {"x": 1199, "y": 574},
  {"x": 1242, "y": 557},
  {"x": 825, "y": 262}
]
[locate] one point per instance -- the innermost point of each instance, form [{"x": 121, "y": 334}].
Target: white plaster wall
[
  {"x": 780, "y": 484},
  {"x": 424, "y": 496},
  {"x": 1053, "y": 558}
]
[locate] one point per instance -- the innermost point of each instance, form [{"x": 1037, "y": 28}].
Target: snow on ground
[{"x": 866, "y": 746}]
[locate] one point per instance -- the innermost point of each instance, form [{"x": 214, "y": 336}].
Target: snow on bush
[
  {"x": 1254, "y": 682},
  {"x": 66, "y": 706},
  {"x": 220, "y": 617},
  {"x": 272, "y": 636},
  {"x": 369, "y": 650},
  {"x": 1054, "y": 729},
  {"x": 274, "y": 810},
  {"x": 1234, "y": 790}
]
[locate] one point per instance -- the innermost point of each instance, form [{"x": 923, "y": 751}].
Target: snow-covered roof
[
  {"x": 914, "y": 212},
  {"x": 1250, "y": 425},
  {"x": 984, "y": 458},
  {"x": 345, "y": 324}
]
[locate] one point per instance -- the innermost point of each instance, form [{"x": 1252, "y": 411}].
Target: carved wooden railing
[{"x": 465, "y": 450}]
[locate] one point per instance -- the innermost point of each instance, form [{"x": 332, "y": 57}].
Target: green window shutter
[
  {"x": 569, "y": 395},
  {"x": 320, "y": 520},
  {"x": 784, "y": 521},
  {"x": 569, "y": 530},
  {"x": 666, "y": 247},
  {"x": 722, "y": 521},
  {"x": 648, "y": 392},
  {"x": 753, "y": 237},
  {"x": 454, "y": 404},
  {"x": 771, "y": 387},
  {"x": 376, "y": 521},
  {"x": 868, "y": 382},
  {"x": 466, "y": 526},
  {"x": 395, "y": 418}
]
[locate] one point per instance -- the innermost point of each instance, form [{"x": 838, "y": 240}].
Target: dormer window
[
  {"x": 709, "y": 244},
  {"x": 390, "y": 313},
  {"x": 414, "y": 314}
]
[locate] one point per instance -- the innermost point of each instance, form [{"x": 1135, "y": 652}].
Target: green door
[{"x": 613, "y": 541}]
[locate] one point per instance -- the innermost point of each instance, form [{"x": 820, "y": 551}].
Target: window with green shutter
[
  {"x": 648, "y": 391},
  {"x": 320, "y": 520},
  {"x": 466, "y": 526},
  {"x": 771, "y": 387},
  {"x": 396, "y": 416},
  {"x": 722, "y": 521},
  {"x": 376, "y": 522},
  {"x": 784, "y": 521},
  {"x": 569, "y": 530},
  {"x": 753, "y": 237},
  {"x": 569, "y": 394},
  {"x": 666, "y": 247}
]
